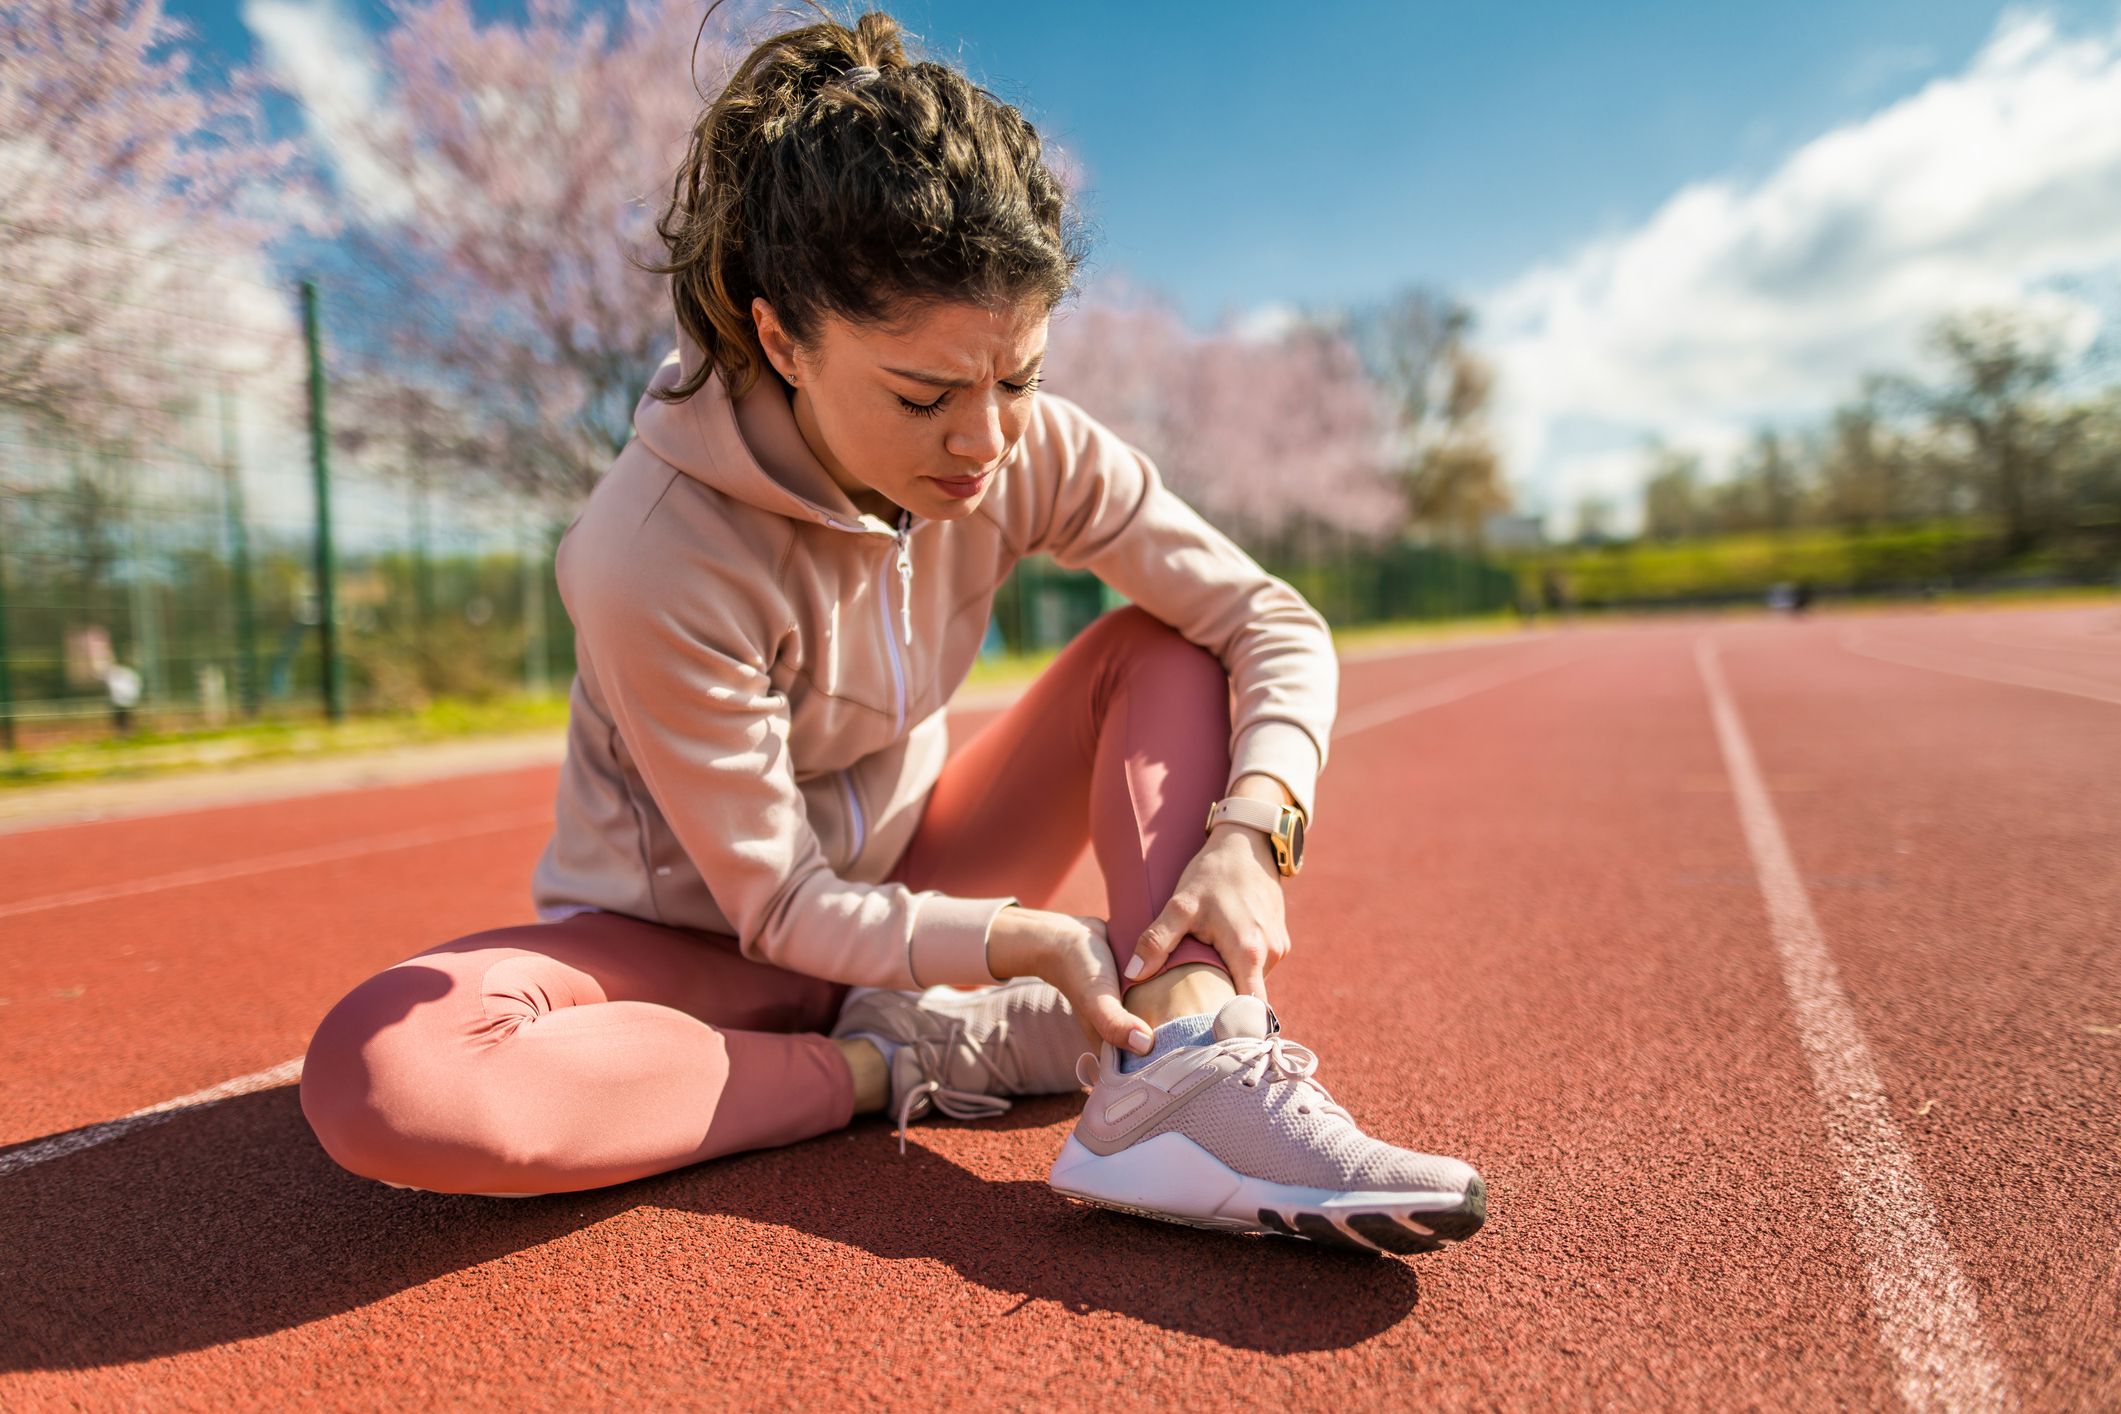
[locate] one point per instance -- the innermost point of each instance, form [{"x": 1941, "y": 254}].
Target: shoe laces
[
  {"x": 932, "y": 1058},
  {"x": 1275, "y": 1058}
]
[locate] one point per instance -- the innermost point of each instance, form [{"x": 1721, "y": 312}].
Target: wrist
[
  {"x": 1243, "y": 839},
  {"x": 1019, "y": 942}
]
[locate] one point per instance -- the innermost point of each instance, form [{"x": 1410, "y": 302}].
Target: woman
[{"x": 775, "y": 590}]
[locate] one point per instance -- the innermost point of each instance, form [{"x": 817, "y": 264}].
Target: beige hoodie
[{"x": 757, "y": 718}]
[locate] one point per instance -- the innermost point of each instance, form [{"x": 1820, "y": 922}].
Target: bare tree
[
  {"x": 1418, "y": 345},
  {"x": 1767, "y": 489},
  {"x": 1672, "y": 495},
  {"x": 1998, "y": 401}
]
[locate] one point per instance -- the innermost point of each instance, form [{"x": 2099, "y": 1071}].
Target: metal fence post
[
  {"x": 530, "y": 548},
  {"x": 320, "y": 462},
  {"x": 232, "y": 509},
  {"x": 146, "y": 615},
  {"x": 7, "y": 677}
]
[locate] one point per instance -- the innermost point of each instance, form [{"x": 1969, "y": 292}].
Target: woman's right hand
[{"x": 1074, "y": 953}]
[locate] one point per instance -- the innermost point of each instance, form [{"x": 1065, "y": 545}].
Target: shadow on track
[
  {"x": 232, "y": 1223},
  {"x": 1019, "y": 1237}
]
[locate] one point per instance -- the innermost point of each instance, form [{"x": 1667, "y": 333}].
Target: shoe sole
[{"x": 1172, "y": 1179}]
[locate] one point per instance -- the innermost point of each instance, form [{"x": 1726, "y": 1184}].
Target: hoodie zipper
[{"x": 902, "y": 560}]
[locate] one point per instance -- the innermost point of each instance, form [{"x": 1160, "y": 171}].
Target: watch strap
[
  {"x": 1270, "y": 820},
  {"x": 1243, "y": 810}
]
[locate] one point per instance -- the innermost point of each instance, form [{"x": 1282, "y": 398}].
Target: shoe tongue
[{"x": 1245, "y": 1016}]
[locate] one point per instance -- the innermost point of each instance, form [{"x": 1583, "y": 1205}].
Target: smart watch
[{"x": 1283, "y": 824}]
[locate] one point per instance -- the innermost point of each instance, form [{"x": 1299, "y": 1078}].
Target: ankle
[
  {"x": 872, "y": 1078},
  {"x": 1190, "y": 989}
]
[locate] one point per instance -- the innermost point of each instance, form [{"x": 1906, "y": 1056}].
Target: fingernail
[
  {"x": 1138, "y": 1041},
  {"x": 1134, "y": 969}
]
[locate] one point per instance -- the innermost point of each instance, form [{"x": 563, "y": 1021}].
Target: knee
[
  {"x": 1132, "y": 634},
  {"x": 357, "y": 1090}
]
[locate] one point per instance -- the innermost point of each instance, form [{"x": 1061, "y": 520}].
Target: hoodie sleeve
[
  {"x": 1102, "y": 506},
  {"x": 708, "y": 733}
]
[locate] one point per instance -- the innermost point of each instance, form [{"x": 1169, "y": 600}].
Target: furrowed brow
[{"x": 938, "y": 381}]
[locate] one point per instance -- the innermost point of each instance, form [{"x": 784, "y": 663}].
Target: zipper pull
[
  {"x": 905, "y": 590},
  {"x": 905, "y": 575}
]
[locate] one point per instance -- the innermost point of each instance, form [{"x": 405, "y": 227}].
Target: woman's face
[{"x": 893, "y": 415}]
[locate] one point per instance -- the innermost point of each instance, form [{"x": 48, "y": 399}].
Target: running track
[{"x": 1768, "y": 970}]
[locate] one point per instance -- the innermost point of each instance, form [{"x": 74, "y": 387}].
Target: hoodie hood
[{"x": 749, "y": 448}]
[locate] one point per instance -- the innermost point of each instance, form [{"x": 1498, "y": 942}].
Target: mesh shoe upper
[
  {"x": 1250, "y": 1099},
  {"x": 960, "y": 1050},
  {"x": 1288, "y": 1131}
]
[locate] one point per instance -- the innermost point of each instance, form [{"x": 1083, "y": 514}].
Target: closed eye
[{"x": 1021, "y": 390}]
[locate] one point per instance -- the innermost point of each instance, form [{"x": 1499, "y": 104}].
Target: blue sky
[
  {"x": 1238, "y": 158},
  {"x": 1531, "y": 158}
]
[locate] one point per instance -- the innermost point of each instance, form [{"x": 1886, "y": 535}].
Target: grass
[{"x": 151, "y": 753}]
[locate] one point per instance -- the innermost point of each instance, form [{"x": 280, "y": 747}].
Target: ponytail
[{"x": 829, "y": 190}]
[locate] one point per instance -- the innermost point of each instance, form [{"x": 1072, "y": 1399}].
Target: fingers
[
  {"x": 1111, "y": 1020},
  {"x": 1155, "y": 944},
  {"x": 1247, "y": 961}
]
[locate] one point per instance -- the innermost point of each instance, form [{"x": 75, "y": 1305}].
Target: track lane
[
  {"x": 1530, "y": 937},
  {"x": 1497, "y": 972},
  {"x": 1968, "y": 833}
]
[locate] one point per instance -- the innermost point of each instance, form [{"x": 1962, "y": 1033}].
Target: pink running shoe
[
  {"x": 962, "y": 1050},
  {"x": 1237, "y": 1134}
]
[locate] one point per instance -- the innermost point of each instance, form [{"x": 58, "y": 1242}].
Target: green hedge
[{"x": 1835, "y": 560}]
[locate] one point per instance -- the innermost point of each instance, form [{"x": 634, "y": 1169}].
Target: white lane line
[
  {"x": 58, "y": 1146},
  {"x": 2044, "y": 679},
  {"x": 2044, "y": 644},
  {"x": 1927, "y": 1316},
  {"x": 294, "y": 859},
  {"x": 1436, "y": 694}
]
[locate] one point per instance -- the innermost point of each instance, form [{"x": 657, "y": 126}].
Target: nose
[{"x": 982, "y": 438}]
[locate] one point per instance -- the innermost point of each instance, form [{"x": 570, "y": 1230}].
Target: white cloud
[
  {"x": 323, "y": 56},
  {"x": 1734, "y": 304},
  {"x": 1265, "y": 323}
]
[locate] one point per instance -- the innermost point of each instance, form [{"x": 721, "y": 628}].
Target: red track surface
[{"x": 1531, "y": 935}]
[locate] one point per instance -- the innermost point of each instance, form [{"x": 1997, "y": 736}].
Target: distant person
[
  {"x": 123, "y": 686},
  {"x": 1800, "y": 596},
  {"x": 759, "y": 841}
]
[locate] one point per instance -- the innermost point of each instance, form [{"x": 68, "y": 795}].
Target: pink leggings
[{"x": 559, "y": 1056}]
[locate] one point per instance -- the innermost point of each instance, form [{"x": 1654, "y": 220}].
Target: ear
[{"x": 773, "y": 338}]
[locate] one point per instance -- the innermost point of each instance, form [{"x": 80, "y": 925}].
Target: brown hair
[{"x": 868, "y": 199}]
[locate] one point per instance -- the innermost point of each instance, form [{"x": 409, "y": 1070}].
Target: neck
[{"x": 863, "y": 497}]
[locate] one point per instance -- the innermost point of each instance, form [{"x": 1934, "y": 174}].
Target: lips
[{"x": 961, "y": 483}]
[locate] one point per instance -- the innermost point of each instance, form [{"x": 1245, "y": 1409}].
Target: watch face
[{"x": 1296, "y": 841}]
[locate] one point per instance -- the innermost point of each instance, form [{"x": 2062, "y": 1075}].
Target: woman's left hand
[{"x": 1230, "y": 898}]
